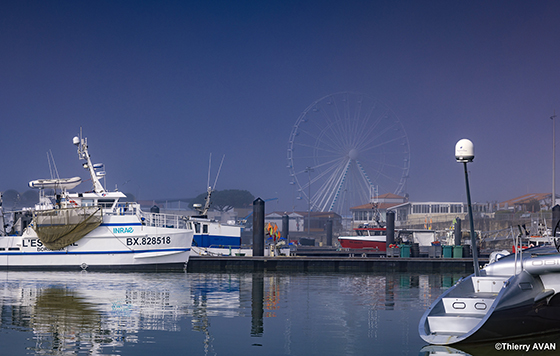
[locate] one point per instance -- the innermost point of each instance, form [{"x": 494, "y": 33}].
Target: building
[
  {"x": 295, "y": 222},
  {"x": 528, "y": 203},
  {"x": 427, "y": 213},
  {"x": 366, "y": 213},
  {"x": 298, "y": 221},
  {"x": 414, "y": 214}
]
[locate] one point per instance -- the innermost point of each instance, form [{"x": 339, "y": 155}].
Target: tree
[
  {"x": 225, "y": 200},
  {"x": 532, "y": 205},
  {"x": 129, "y": 198},
  {"x": 29, "y": 198},
  {"x": 11, "y": 198}
]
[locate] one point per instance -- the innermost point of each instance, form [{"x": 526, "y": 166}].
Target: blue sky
[{"x": 159, "y": 85}]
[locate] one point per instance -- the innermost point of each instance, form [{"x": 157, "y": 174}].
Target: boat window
[
  {"x": 197, "y": 228},
  {"x": 459, "y": 305},
  {"x": 87, "y": 202},
  {"x": 480, "y": 306},
  {"x": 204, "y": 229},
  {"x": 105, "y": 203}
]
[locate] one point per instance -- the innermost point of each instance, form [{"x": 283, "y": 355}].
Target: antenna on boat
[
  {"x": 203, "y": 210},
  {"x": 83, "y": 153},
  {"x": 218, "y": 174},
  {"x": 50, "y": 158},
  {"x": 209, "y": 166},
  {"x": 2, "y": 226}
]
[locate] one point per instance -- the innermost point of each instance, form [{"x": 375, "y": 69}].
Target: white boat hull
[{"x": 119, "y": 243}]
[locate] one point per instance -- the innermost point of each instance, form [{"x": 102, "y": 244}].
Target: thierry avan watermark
[{"x": 535, "y": 346}]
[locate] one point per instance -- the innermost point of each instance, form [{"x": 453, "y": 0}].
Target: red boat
[{"x": 366, "y": 237}]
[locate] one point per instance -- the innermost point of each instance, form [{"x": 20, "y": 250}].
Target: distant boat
[
  {"x": 211, "y": 237},
  {"x": 212, "y": 233},
  {"x": 91, "y": 230},
  {"x": 366, "y": 236}
]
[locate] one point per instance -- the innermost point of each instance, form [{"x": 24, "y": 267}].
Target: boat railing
[
  {"x": 165, "y": 220},
  {"x": 152, "y": 219},
  {"x": 518, "y": 250}
]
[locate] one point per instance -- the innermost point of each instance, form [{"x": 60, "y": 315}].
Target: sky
[{"x": 158, "y": 86}]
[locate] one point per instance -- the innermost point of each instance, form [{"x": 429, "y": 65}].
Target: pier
[{"x": 357, "y": 263}]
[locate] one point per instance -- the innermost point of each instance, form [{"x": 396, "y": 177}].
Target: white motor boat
[
  {"x": 517, "y": 295},
  {"x": 92, "y": 230}
]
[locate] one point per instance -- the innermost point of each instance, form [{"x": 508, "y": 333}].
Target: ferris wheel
[{"x": 344, "y": 150}]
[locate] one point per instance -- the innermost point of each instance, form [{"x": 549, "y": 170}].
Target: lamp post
[
  {"x": 308, "y": 170},
  {"x": 553, "y": 197},
  {"x": 464, "y": 153}
]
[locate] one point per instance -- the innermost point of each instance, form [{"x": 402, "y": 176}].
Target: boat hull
[
  {"x": 210, "y": 233},
  {"x": 115, "y": 245},
  {"x": 216, "y": 241},
  {"x": 521, "y": 321},
  {"x": 511, "y": 298},
  {"x": 363, "y": 242}
]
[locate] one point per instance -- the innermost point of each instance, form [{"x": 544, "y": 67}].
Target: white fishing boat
[
  {"x": 92, "y": 230},
  {"x": 211, "y": 237}
]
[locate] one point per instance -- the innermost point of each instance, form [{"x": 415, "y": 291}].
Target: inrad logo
[{"x": 123, "y": 230}]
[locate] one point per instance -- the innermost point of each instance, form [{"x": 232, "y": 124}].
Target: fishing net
[{"x": 59, "y": 228}]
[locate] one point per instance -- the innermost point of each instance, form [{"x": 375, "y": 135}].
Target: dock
[{"x": 310, "y": 263}]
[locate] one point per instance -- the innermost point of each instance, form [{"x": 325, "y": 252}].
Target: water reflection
[
  {"x": 102, "y": 313},
  {"x": 548, "y": 344},
  {"x": 257, "y": 308}
]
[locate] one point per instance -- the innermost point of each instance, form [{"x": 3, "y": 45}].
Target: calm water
[{"x": 215, "y": 314}]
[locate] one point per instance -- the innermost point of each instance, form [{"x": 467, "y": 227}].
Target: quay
[{"x": 357, "y": 263}]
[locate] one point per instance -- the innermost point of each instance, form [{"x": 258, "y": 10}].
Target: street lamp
[
  {"x": 464, "y": 153},
  {"x": 553, "y": 197}
]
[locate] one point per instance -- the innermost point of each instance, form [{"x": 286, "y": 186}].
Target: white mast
[{"x": 83, "y": 153}]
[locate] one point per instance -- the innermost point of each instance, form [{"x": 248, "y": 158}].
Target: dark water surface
[{"x": 64, "y": 313}]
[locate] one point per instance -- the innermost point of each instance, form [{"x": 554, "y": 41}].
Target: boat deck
[{"x": 462, "y": 311}]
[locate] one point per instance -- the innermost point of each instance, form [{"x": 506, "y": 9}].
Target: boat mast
[
  {"x": 83, "y": 153},
  {"x": 2, "y": 226}
]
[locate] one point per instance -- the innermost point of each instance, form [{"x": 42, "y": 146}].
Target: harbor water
[{"x": 63, "y": 313}]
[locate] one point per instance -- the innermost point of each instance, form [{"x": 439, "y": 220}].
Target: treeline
[{"x": 12, "y": 199}]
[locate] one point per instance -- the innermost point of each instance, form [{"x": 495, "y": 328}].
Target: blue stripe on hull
[
  {"x": 216, "y": 241},
  {"x": 20, "y": 253},
  {"x": 154, "y": 267},
  {"x": 119, "y": 224}
]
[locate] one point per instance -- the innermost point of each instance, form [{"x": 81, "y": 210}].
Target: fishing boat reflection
[
  {"x": 86, "y": 311},
  {"x": 68, "y": 312}
]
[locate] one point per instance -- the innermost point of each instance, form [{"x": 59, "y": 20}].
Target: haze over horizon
[{"x": 159, "y": 86}]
